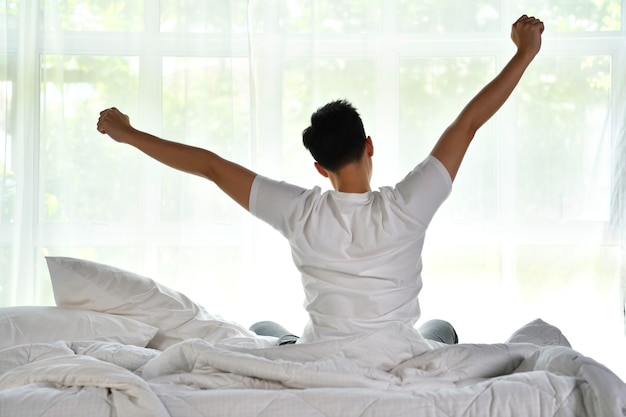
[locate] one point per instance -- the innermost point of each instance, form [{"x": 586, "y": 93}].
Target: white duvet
[{"x": 390, "y": 373}]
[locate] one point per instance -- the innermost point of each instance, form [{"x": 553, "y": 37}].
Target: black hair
[{"x": 336, "y": 136}]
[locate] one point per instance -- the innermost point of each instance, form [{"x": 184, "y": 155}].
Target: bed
[{"x": 120, "y": 344}]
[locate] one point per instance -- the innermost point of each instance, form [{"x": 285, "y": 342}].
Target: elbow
[
  {"x": 470, "y": 127},
  {"x": 465, "y": 129},
  {"x": 468, "y": 123},
  {"x": 205, "y": 167},
  {"x": 206, "y": 172},
  {"x": 471, "y": 132}
]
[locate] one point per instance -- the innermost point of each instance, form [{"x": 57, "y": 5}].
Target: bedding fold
[{"x": 59, "y": 367}]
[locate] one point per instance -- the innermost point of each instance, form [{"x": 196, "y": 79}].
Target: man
[{"x": 358, "y": 251}]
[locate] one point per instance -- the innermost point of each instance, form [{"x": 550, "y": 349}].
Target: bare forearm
[
  {"x": 179, "y": 156},
  {"x": 489, "y": 100}
]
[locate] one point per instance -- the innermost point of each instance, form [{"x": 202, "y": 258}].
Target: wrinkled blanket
[{"x": 392, "y": 372}]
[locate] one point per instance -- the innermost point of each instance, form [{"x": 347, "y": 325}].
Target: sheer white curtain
[{"x": 534, "y": 226}]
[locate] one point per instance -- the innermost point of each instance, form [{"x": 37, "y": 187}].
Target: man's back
[{"x": 359, "y": 254}]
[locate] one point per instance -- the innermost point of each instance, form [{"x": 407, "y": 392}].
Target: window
[{"x": 524, "y": 233}]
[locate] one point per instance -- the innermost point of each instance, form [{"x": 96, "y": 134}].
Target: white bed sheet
[{"x": 389, "y": 373}]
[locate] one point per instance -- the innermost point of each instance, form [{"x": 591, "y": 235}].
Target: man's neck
[{"x": 351, "y": 179}]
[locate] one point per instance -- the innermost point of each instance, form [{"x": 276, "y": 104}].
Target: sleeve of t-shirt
[
  {"x": 278, "y": 203},
  {"x": 424, "y": 189}
]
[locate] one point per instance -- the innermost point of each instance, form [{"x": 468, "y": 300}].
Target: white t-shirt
[{"x": 359, "y": 254}]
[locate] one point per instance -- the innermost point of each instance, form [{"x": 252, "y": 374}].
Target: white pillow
[
  {"x": 89, "y": 285},
  {"x": 23, "y": 325}
]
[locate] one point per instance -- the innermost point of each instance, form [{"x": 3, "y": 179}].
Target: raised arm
[
  {"x": 452, "y": 145},
  {"x": 233, "y": 179}
]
